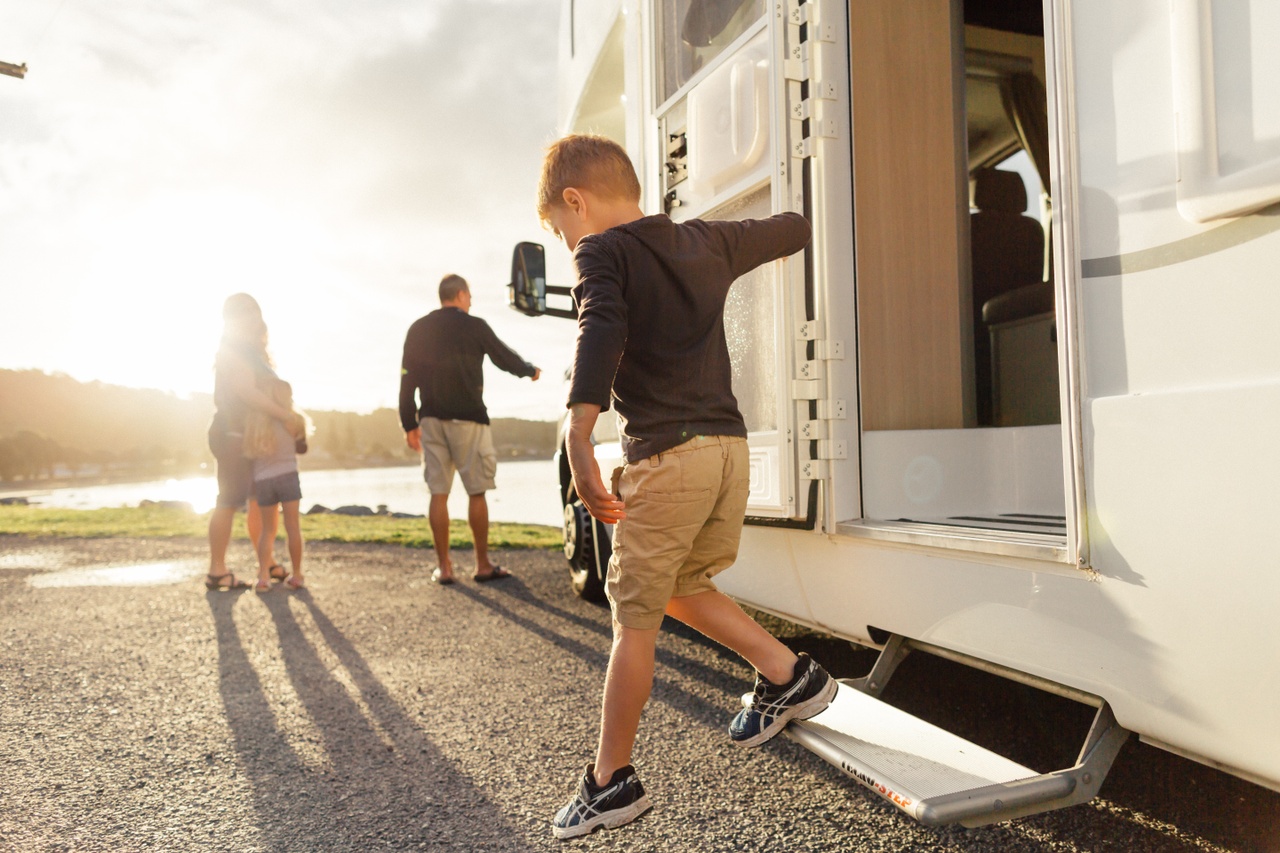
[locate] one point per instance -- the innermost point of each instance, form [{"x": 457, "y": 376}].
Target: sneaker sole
[
  {"x": 609, "y": 820},
  {"x": 810, "y": 708}
]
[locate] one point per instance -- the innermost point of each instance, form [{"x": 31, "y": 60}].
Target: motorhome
[{"x": 1017, "y": 404}]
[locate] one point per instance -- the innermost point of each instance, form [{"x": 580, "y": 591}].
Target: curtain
[{"x": 1025, "y": 104}]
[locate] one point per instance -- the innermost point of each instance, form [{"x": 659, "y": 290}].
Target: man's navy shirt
[{"x": 444, "y": 363}]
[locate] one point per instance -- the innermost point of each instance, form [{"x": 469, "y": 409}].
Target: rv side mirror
[{"x": 528, "y": 288}]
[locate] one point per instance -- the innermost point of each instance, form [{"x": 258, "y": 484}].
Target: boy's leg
[
  {"x": 256, "y": 525},
  {"x": 627, "y": 685},
  {"x": 717, "y": 616},
  {"x": 266, "y": 543},
  {"x": 788, "y": 686},
  {"x": 293, "y": 529},
  {"x": 253, "y": 523},
  {"x": 609, "y": 793}
]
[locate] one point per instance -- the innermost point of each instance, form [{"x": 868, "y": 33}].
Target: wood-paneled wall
[{"x": 911, "y": 215}]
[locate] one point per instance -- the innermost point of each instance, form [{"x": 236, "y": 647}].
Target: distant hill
[{"x": 53, "y": 426}]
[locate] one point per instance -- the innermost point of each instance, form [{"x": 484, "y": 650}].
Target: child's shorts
[
  {"x": 684, "y": 520},
  {"x": 464, "y": 446},
  {"x": 277, "y": 490}
]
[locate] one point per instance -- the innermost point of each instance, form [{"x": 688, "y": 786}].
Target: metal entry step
[{"x": 938, "y": 777}]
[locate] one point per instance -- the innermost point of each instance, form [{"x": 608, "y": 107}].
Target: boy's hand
[
  {"x": 413, "y": 438},
  {"x": 593, "y": 493}
]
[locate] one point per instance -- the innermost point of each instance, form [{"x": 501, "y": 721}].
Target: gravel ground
[{"x": 378, "y": 711}]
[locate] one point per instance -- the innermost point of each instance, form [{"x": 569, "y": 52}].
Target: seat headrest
[{"x": 996, "y": 189}]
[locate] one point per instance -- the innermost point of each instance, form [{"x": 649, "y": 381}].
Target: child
[
  {"x": 650, "y": 297},
  {"x": 274, "y": 448}
]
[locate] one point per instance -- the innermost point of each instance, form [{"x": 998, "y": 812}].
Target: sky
[{"x": 333, "y": 158}]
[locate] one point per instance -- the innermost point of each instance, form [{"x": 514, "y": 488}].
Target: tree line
[{"x": 55, "y": 427}]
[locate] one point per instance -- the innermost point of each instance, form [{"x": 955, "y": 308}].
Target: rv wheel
[{"x": 587, "y": 548}]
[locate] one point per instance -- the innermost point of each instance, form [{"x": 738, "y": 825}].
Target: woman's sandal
[
  {"x": 262, "y": 586},
  {"x": 226, "y": 580},
  {"x": 294, "y": 582},
  {"x": 277, "y": 572}
]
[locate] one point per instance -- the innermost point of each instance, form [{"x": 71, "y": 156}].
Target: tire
[{"x": 587, "y": 548}]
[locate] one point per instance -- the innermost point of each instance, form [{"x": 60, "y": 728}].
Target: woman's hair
[
  {"x": 259, "y": 427},
  {"x": 587, "y": 162},
  {"x": 243, "y": 329}
]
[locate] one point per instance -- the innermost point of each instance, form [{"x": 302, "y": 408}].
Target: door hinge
[
  {"x": 811, "y": 26},
  {"x": 809, "y": 386}
]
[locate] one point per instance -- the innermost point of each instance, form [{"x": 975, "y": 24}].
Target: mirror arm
[{"x": 559, "y": 290}]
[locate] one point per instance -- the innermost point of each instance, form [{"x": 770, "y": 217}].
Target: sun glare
[{"x": 149, "y": 312}]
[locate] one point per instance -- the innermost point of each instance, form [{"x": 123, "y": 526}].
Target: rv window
[
  {"x": 749, "y": 325},
  {"x": 695, "y": 31}
]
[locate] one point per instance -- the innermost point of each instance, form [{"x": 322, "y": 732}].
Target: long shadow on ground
[{"x": 382, "y": 783}]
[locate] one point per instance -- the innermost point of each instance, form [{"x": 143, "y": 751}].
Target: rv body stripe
[{"x": 1219, "y": 239}]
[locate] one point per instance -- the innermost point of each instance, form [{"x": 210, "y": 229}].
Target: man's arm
[
  {"x": 408, "y": 403},
  {"x": 587, "y": 482},
  {"x": 503, "y": 356}
]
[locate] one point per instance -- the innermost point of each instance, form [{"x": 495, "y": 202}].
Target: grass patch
[{"x": 156, "y": 522}]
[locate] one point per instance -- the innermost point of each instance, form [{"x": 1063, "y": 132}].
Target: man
[{"x": 444, "y": 363}]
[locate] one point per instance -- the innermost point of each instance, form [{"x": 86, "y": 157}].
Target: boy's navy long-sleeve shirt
[
  {"x": 444, "y": 363},
  {"x": 651, "y": 341}
]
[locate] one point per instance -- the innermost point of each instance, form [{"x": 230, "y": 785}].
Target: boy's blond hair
[
  {"x": 586, "y": 162},
  {"x": 259, "y": 427}
]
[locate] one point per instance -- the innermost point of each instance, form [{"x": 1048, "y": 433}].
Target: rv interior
[{"x": 959, "y": 395}]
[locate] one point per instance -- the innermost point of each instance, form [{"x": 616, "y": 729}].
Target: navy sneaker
[
  {"x": 771, "y": 707},
  {"x": 619, "y": 802}
]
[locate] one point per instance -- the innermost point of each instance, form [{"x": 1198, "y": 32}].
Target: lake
[{"x": 527, "y": 492}]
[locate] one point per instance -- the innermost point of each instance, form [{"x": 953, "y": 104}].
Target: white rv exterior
[{"x": 1120, "y": 539}]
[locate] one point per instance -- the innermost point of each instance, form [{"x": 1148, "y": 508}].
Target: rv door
[{"x": 727, "y": 87}]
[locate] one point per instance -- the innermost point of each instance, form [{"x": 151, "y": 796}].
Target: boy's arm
[
  {"x": 602, "y": 333},
  {"x": 752, "y": 242},
  {"x": 602, "y": 325},
  {"x": 587, "y": 482}
]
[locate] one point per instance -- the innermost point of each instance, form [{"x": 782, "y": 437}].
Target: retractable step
[{"x": 938, "y": 777}]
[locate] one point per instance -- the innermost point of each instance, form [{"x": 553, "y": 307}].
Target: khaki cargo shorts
[
  {"x": 462, "y": 446},
  {"x": 684, "y": 520}
]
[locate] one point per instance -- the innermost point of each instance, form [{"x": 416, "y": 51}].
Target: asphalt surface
[{"x": 378, "y": 711}]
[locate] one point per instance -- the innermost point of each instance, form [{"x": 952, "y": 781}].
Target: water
[{"x": 527, "y": 492}]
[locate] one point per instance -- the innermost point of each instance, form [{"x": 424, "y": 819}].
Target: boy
[
  {"x": 650, "y": 297},
  {"x": 274, "y": 448}
]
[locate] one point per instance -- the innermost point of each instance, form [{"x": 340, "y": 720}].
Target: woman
[{"x": 242, "y": 359}]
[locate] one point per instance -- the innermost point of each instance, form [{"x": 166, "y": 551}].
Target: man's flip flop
[
  {"x": 438, "y": 577},
  {"x": 498, "y": 573}
]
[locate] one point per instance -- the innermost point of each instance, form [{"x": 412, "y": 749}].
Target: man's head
[
  {"x": 454, "y": 292},
  {"x": 588, "y": 185}
]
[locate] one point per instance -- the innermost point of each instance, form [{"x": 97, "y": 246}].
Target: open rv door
[{"x": 739, "y": 121}]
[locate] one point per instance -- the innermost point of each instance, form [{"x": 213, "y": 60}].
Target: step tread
[{"x": 920, "y": 760}]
